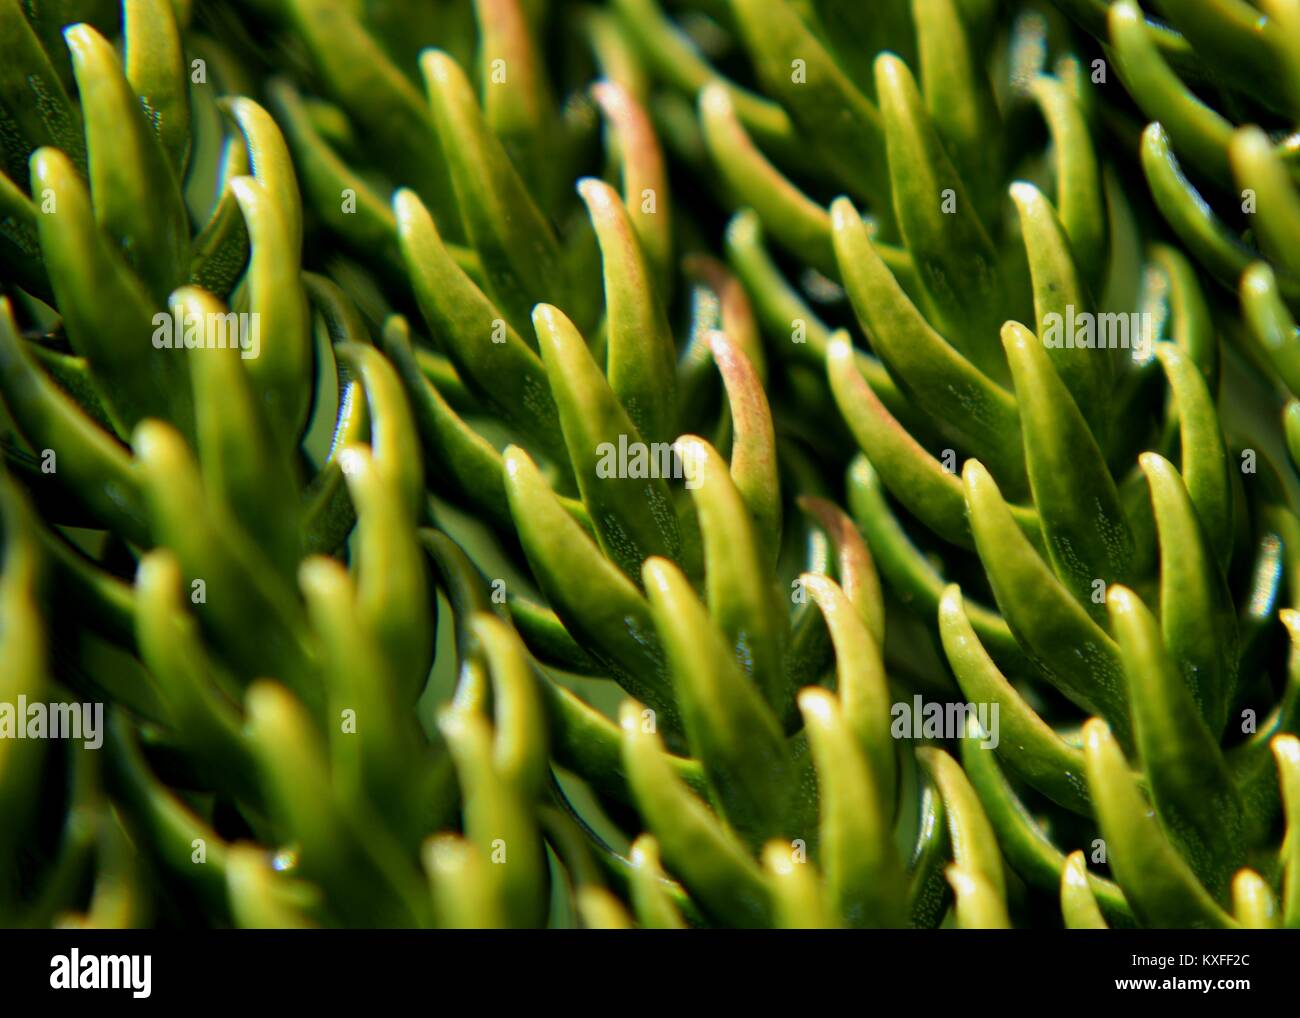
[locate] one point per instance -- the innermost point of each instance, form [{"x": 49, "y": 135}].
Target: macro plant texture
[{"x": 661, "y": 463}]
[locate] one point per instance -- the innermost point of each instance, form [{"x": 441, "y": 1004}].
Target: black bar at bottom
[{"x": 335, "y": 968}]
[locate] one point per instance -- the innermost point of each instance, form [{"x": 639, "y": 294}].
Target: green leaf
[
  {"x": 1286, "y": 750},
  {"x": 1196, "y": 612},
  {"x": 955, "y": 259},
  {"x": 781, "y": 310},
  {"x": 466, "y": 895},
  {"x": 219, "y": 253},
  {"x": 1027, "y": 848},
  {"x": 1031, "y": 748},
  {"x": 22, "y": 669},
  {"x": 282, "y": 369},
  {"x": 1190, "y": 787},
  {"x": 640, "y": 359},
  {"x": 1271, "y": 323},
  {"x": 959, "y": 99},
  {"x": 708, "y": 858},
  {"x": 334, "y": 848},
  {"x": 327, "y": 512},
  {"x": 797, "y": 222},
  {"x": 974, "y": 847},
  {"x": 937, "y": 377},
  {"x": 106, "y": 311},
  {"x": 907, "y": 569},
  {"x": 272, "y": 167},
  {"x": 1194, "y": 129},
  {"x": 1080, "y": 197},
  {"x": 262, "y": 897},
  {"x": 841, "y": 124},
  {"x": 498, "y": 819},
  {"x": 630, "y": 505},
  {"x": 137, "y": 198},
  {"x": 863, "y": 872},
  {"x": 1056, "y": 632},
  {"x": 371, "y": 761},
  {"x": 672, "y": 55},
  {"x": 645, "y": 178},
  {"x": 33, "y": 99},
  {"x": 1253, "y": 904},
  {"x": 654, "y": 907},
  {"x": 1158, "y": 884},
  {"x": 929, "y": 894},
  {"x": 243, "y": 468},
  {"x": 1242, "y": 41},
  {"x": 517, "y": 101},
  {"x": 1192, "y": 328},
  {"x": 753, "y": 441},
  {"x": 1060, "y": 294},
  {"x": 1258, "y": 168},
  {"x": 544, "y": 633},
  {"x": 20, "y": 248},
  {"x": 590, "y": 744},
  {"x": 456, "y": 456},
  {"x": 158, "y": 72},
  {"x": 730, "y": 729},
  {"x": 197, "y": 696},
  {"x": 979, "y": 905},
  {"x": 1188, "y": 213},
  {"x": 90, "y": 463},
  {"x": 864, "y": 699},
  {"x": 366, "y": 224},
  {"x": 520, "y": 748},
  {"x": 160, "y": 816},
  {"x": 1203, "y": 454},
  {"x": 253, "y": 614},
  {"x": 1087, "y": 535},
  {"x": 1079, "y": 906},
  {"x": 931, "y": 492},
  {"x": 493, "y": 359},
  {"x": 798, "y": 901},
  {"x": 375, "y": 92},
  {"x": 604, "y": 610},
  {"x": 392, "y": 591},
  {"x": 521, "y": 256},
  {"x": 743, "y": 600},
  {"x": 393, "y": 440},
  {"x": 854, "y": 565}
]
